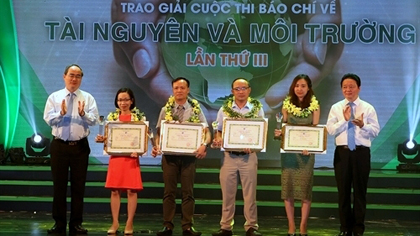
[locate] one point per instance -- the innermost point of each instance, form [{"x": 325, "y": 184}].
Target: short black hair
[
  {"x": 130, "y": 93},
  {"x": 249, "y": 85},
  {"x": 66, "y": 70},
  {"x": 181, "y": 78},
  {"x": 351, "y": 76}
]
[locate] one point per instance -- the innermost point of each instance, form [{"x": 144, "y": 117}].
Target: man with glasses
[
  {"x": 245, "y": 162},
  {"x": 70, "y": 112}
]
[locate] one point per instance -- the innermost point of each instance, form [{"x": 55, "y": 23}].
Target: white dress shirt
[
  {"x": 337, "y": 125},
  {"x": 79, "y": 125}
]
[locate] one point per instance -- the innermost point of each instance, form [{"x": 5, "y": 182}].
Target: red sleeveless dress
[{"x": 124, "y": 172}]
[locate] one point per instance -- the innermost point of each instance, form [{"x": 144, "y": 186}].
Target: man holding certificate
[
  {"x": 180, "y": 109},
  {"x": 240, "y": 105},
  {"x": 354, "y": 124}
]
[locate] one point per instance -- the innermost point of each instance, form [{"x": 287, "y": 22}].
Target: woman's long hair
[{"x": 307, "y": 99}]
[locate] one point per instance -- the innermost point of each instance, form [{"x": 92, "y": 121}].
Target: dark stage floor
[{"x": 37, "y": 223}]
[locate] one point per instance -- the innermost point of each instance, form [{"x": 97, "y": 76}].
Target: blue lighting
[{"x": 413, "y": 107}]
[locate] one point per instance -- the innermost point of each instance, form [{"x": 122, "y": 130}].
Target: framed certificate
[
  {"x": 124, "y": 138},
  {"x": 297, "y": 138},
  {"x": 244, "y": 133},
  {"x": 181, "y": 138}
]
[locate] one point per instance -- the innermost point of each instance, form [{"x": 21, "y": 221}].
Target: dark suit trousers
[
  {"x": 352, "y": 168},
  {"x": 178, "y": 168},
  {"x": 67, "y": 159}
]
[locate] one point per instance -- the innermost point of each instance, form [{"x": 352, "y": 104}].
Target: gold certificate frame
[
  {"x": 297, "y": 138},
  {"x": 239, "y": 134},
  {"x": 124, "y": 138},
  {"x": 181, "y": 138}
]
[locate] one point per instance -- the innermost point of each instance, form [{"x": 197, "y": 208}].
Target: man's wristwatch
[{"x": 204, "y": 143}]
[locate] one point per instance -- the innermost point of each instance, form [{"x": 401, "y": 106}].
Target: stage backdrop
[{"x": 143, "y": 45}]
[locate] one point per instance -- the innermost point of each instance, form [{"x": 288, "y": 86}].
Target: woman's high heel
[
  {"x": 128, "y": 232},
  {"x": 112, "y": 231}
]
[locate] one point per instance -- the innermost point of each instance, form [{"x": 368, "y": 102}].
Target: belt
[
  {"x": 68, "y": 142},
  {"x": 357, "y": 146},
  {"x": 238, "y": 153}
]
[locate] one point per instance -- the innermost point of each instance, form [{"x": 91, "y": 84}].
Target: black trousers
[
  {"x": 180, "y": 168},
  {"x": 352, "y": 168},
  {"x": 68, "y": 157}
]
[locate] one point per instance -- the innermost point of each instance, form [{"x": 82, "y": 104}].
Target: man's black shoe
[
  {"x": 223, "y": 232},
  {"x": 164, "y": 232},
  {"x": 57, "y": 230},
  {"x": 191, "y": 232},
  {"x": 253, "y": 232},
  {"x": 77, "y": 229}
]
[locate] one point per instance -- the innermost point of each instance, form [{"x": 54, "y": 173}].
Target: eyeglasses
[
  {"x": 124, "y": 100},
  {"x": 240, "y": 88}
]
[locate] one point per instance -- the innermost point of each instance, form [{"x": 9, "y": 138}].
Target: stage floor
[{"x": 37, "y": 223}]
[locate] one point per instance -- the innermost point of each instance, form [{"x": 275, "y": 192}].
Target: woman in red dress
[{"x": 123, "y": 171}]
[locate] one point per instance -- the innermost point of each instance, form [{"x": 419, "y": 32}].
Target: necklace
[
  {"x": 253, "y": 113},
  {"x": 194, "y": 118},
  {"x": 136, "y": 115},
  {"x": 298, "y": 111}
]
